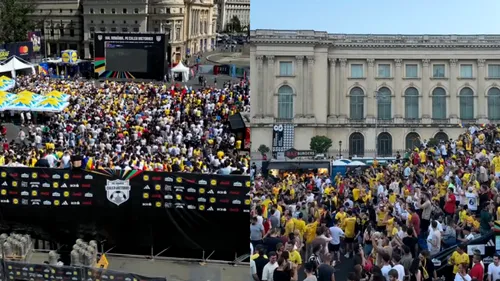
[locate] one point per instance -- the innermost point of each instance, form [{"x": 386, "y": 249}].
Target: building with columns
[
  {"x": 233, "y": 8},
  {"x": 200, "y": 32},
  {"x": 371, "y": 94}
]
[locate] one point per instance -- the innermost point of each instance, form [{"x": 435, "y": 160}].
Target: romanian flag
[{"x": 90, "y": 164}]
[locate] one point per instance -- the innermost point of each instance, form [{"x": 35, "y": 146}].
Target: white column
[
  {"x": 299, "y": 108},
  {"x": 342, "y": 93},
  {"x": 305, "y": 93},
  {"x": 310, "y": 99},
  {"x": 260, "y": 95},
  {"x": 454, "y": 106},
  {"x": 482, "y": 109},
  {"x": 270, "y": 73},
  {"x": 426, "y": 99},
  {"x": 398, "y": 73},
  {"x": 333, "y": 105},
  {"x": 371, "y": 107}
]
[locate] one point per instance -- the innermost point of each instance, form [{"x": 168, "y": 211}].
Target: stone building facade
[{"x": 375, "y": 94}]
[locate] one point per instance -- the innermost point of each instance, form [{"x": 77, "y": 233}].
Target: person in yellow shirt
[
  {"x": 496, "y": 163},
  {"x": 349, "y": 226},
  {"x": 340, "y": 216},
  {"x": 294, "y": 255},
  {"x": 458, "y": 257},
  {"x": 289, "y": 225},
  {"x": 300, "y": 225},
  {"x": 310, "y": 235}
]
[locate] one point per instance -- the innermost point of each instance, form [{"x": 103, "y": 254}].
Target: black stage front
[{"x": 131, "y": 210}]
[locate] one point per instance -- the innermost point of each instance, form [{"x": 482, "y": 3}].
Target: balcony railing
[
  {"x": 440, "y": 121},
  {"x": 385, "y": 121},
  {"x": 413, "y": 120}
]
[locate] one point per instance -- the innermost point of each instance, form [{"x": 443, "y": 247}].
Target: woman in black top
[{"x": 284, "y": 271}]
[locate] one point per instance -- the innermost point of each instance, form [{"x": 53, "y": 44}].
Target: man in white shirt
[
  {"x": 268, "y": 271},
  {"x": 334, "y": 245},
  {"x": 471, "y": 197},
  {"x": 494, "y": 269},
  {"x": 434, "y": 239},
  {"x": 396, "y": 259}
]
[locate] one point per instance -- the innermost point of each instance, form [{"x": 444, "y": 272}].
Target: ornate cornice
[{"x": 373, "y": 41}]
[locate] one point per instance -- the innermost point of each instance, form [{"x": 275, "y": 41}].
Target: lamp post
[{"x": 340, "y": 149}]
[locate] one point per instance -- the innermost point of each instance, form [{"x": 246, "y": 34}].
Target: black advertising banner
[
  {"x": 35, "y": 37},
  {"x": 42, "y": 272},
  {"x": 132, "y": 210},
  {"x": 23, "y": 50},
  {"x": 130, "y": 56},
  {"x": 92, "y": 274}
]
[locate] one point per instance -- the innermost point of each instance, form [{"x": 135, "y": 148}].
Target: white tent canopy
[
  {"x": 180, "y": 68},
  {"x": 15, "y": 63}
]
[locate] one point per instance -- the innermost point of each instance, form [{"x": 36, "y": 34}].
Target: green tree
[
  {"x": 15, "y": 20},
  {"x": 263, "y": 149},
  {"x": 320, "y": 144},
  {"x": 235, "y": 24},
  {"x": 432, "y": 142}
]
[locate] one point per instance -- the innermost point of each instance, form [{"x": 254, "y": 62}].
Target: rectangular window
[
  {"x": 124, "y": 11},
  {"x": 103, "y": 29},
  {"x": 136, "y": 10},
  {"x": 357, "y": 71},
  {"x": 136, "y": 29},
  {"x": 438, "y": 71},
  {"x": 384, "y": 70},
  {"x": 113, "y": 29},
  {"x": 494, "y": 70},
  {"x": 286, "y": 68},
  {"x": 466, "y": 71},
  {"x": 411, "y": 71},
  {"x": 113, "y": 11},
  {"x": 124, "y": 29},
  {"x": 102, "y": 11}
]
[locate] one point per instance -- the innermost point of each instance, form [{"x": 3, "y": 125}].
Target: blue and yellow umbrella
[
  {"x": 58, "y": 95},
  {"x": 21, "y": 103},
  {"x": 6, "y": 83},
  {"x": 50, "y": 105}
]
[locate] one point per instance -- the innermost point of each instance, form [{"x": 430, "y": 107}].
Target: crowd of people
[
  {"x": 129, "y": 125},
  {"x": 387, "y": 219}
]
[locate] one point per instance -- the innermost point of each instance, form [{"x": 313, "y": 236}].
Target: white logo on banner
[{"x": 118, "y": 191}]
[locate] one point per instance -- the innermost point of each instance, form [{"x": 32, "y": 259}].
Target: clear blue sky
[{"x": 379, "y": 16}]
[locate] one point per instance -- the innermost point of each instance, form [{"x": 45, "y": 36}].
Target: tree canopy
[
  {"x": 320, "y": 144},
  {"x": 15, "y": 20}
]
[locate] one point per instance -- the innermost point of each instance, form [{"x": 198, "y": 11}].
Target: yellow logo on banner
[
  {"x": 14, "y": 183},
  {"x": 16, "y": 201},
  {"x": 213, "y": 182},
  {"x": 34, "y": 175},
  {"x": 145, "y": 195},
  {"x": 212, "y": 199},
  {"x": 201, "y": 207},
  {"x": 103, "y": 262},
  {"x": 248, "y": 184},
  {"x": 4, "y": 174},
  {"x": 178, "y": 179},
  {"x": 66, "y": 176},
  {"x": 55, "y": 185},
  {"x": 202, "y": 190},
  {"x": 247, "y": 202},
  {"x": 56, "y": 202},
  {"x": 178, "y": 197},
  {"x": 66, "y": 193},
  {"x": 34, "y": 193},
  {"x": 157, "y": 187},
  {"x": 158, "y": 204},
  {"x": 4, "y": 192},
  {"x": 145, "y": 178}
]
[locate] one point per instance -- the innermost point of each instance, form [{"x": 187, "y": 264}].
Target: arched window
[
  {"x": 285, "y": 102},
  {"x": 466, "y": 104},
  {"x": 411, "y": 103},
  {"x": 356, "y": 145},
  {"x": 357, "y": 103},
  {"x": 441, "y": 136},
  {"x": 439, "y": 103},
  {"x": 384, "y": 104},
  {"x": 384, "y": 144},
  {"x": 494, "y": 104},
  {"x": 412, "y": 141}
]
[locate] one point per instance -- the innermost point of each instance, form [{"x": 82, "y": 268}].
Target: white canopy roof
[
  {"x": 181, "y": 68},
  {"x": 15, "y": 63}
]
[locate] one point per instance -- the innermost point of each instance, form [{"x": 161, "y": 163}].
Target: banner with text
[{"x": 116, "y": 188}]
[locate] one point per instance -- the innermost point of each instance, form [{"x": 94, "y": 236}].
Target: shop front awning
[{"x": 298, "y": 165}]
